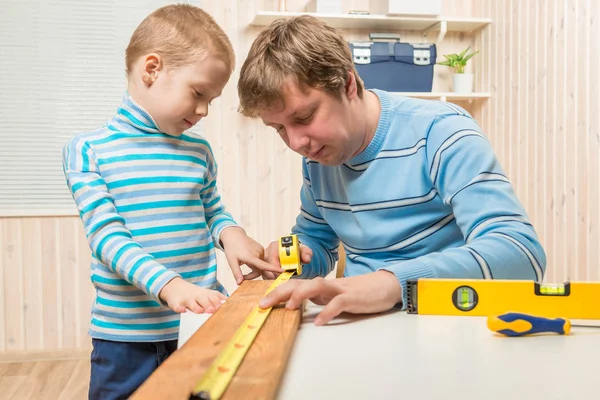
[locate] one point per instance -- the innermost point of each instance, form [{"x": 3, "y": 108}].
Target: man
[{"x": 412, "y": 188}]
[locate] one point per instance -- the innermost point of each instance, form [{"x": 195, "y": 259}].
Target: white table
[{"x": 411, "y": 357}]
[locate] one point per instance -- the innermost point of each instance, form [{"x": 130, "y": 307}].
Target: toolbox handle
[{"x": 384, "y": 36}]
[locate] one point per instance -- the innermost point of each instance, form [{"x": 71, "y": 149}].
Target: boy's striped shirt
[{"x": 151, "y": 212}]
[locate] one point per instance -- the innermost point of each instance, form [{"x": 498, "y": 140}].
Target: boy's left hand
[{"x": 242, "y": 249}]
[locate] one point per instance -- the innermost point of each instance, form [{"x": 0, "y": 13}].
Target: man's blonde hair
[
  {"x": 302, "y": 48},
  {"x": 179, "y": 33}
]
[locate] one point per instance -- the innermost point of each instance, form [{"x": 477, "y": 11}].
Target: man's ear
[
  {"x": 351, "y": 89},
  {"x": 152, "y": 65}
]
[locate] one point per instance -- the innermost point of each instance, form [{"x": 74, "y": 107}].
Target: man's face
[{"x": 315, "y": 124}]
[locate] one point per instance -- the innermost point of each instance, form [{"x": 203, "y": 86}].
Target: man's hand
[
  {"x": 371, "y": 293},
  {"x": 181, "y": 295},
  {"x": 272, "y": 257},
  {"x": 241, "y": 249}
]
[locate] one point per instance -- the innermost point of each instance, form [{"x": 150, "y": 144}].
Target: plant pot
[{"x": 462, "y": 83}]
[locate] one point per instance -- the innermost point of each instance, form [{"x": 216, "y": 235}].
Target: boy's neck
[{"x": 135, "y": 92}]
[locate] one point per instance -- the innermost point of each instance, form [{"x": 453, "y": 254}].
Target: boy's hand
[
  {"x": 242, "y": 249},
  {"x": 272, "y": 257},
  {"x": 181, "y": 295},
  {"x": 370, "y": 293}
]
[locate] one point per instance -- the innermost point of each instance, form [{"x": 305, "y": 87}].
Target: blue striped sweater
[
  {"x": 426, "y": 198},
  {"x": 151, "y": 212}
]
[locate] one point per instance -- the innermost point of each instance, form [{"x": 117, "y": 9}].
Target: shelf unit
[
  {"x": 425, "y": 25},
  {"x": 359, "y": 21},
  {"x": 443, "y": 96}
]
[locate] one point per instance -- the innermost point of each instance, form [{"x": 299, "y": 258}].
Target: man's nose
[{"x": 298, "y": 141}]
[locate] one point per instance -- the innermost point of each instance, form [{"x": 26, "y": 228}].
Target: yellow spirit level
[{"x": 480, "y": 297}]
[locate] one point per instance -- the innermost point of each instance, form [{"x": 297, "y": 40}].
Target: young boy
[{"x": 146, "y": 193}]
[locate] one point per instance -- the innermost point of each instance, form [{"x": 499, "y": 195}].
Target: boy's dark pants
[{"x": 119, "y": 368}]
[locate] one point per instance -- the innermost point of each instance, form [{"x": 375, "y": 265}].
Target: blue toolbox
[{"x": 394, "y": 66}]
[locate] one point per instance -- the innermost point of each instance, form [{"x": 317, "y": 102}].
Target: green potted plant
[{"x": 461, "y": 82}]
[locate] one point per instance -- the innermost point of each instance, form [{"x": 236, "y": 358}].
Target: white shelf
[
  {"x": 446, "y": 95},
  {"x": 352, "y": 21},
  {"x": 426, "y": 24}
]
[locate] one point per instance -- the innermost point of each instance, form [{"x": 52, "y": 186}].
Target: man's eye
[{"x": 306, "y": 119}]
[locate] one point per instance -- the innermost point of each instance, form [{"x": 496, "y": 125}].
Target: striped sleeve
[
  {"x": 314, "y": 232},
  {"x": 500, "y": 241},
  {"x": 110, "y": 240},
  {"x": 217, "y": 218}
]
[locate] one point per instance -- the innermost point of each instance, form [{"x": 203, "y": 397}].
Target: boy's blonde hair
[
  {"x": 179, "y": 33},
  {"x": 302, "y": 48}
]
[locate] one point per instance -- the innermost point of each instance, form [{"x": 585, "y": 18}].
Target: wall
[
  {"x": 44, "y": 262},
  {"x": 541, "y": 62},
  {"x": 543, "y": 119}
]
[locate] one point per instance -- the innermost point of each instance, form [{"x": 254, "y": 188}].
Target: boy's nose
[{"x": 202, "y": 110}]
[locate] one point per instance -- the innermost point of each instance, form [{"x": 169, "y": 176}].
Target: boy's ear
[
  {"x": 351, "y": 89},
  {"x": 152, "y": 65}
]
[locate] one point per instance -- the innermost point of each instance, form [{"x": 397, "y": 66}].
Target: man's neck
[{"x": 371, "y": 109}]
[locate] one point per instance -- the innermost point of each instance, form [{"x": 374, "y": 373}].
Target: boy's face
[
  {"x": 178, "y": 98},
  {"x": 315, "y": 124}
]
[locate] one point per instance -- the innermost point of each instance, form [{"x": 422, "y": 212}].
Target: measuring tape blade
[{"x": 216, "y": 379}]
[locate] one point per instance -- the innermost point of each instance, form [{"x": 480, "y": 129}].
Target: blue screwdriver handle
[{"x": 519, "y": 324}]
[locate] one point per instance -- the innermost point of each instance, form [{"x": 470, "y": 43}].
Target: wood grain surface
[{"x": 261, "y": 370}]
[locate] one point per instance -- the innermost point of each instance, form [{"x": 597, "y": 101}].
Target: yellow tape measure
[{"x": 221, "y": 372}]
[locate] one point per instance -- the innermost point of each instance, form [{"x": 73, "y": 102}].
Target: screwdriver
[{"x": 519, "y": 324}]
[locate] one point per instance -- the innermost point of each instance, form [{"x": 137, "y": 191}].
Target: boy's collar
[{"x": 133, "y": 118}]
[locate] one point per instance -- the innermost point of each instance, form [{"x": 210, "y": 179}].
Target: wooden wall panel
[
  {"x": 539, "y": 60},
  {"x": 46, "y": 291},
  {"x": 543, "y": 121}
]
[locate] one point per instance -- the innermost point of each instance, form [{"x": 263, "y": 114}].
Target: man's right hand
[
  {"x": 363, "y": 294},
  {"x": 181, "y": 295},
  {"x": 272, "y": 257}
]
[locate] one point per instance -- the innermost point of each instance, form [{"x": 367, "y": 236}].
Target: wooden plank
[
  {"x": 16, "y": 369},
  {"x": 51, "y": 318},
  {"x": 259, "y": 374},
  {"x": 69, "y": 273},
  {"x": 46, "y": 380},
  {"x": 32, "y": 284},
  {"x": 3, "y": 299},
  {"x": 86, "y": 293},
  {"x": 593, "y": 145},
  {"x": 13, "y": 284},
  {"x": 78, "y": 385},
  {"x": 29, "y": 356},
  {"x": 10, "y": 385},
  {"x": 12, "y": 377}
]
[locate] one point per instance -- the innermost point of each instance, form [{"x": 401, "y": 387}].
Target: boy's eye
[{"x": 197, "y": 94}]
